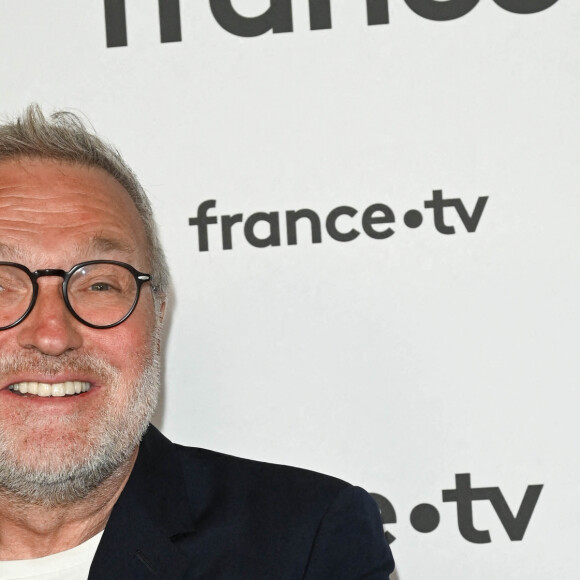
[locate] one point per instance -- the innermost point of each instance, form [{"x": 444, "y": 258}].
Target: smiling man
[{"x": 88, "y": 489}]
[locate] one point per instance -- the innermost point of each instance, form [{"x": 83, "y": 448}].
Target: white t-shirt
[{"x": 73, "y": 564}]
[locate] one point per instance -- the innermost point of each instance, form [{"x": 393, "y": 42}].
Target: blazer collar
[{"x": 152, "y": 510}]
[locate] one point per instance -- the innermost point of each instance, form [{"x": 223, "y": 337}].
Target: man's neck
[{"x": 32, "y": 531}]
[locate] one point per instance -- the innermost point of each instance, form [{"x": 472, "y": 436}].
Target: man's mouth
[{"x": 66, "y": 389}]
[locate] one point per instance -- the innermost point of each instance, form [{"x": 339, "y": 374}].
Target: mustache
[{"x": 21, "y": 363}]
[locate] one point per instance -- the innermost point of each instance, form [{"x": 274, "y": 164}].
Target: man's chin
[
  {"x": 63, "y": 467},
  {"x": 62, "y": 481}
]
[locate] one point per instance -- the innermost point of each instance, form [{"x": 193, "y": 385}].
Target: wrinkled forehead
[{"x": 64, "y": 210}]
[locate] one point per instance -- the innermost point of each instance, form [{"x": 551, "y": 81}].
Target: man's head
[
  {"x": 64, "y": 137},
  {"x": 66, "y": 198}
]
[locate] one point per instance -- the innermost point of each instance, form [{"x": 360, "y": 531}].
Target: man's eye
[
  {"x": 8, "y": 286},
  {"x": 99, "y": 287}
]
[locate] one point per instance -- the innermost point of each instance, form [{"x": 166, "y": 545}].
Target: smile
[{"x": 67, "y": 388}]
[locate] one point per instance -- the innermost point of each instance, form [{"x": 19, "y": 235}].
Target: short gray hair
[{"x": 65, "y": 137}]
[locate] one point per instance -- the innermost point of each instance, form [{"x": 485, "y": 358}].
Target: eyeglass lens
[
  {"x": 15, "y": 294},
  {"x": 100, "y": 294}
]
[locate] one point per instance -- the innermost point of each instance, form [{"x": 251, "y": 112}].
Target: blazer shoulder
[
  {"x": 251, "y": 519},
  {"x": 320, "y": 526},
  {"x": 254, "y": 482}
]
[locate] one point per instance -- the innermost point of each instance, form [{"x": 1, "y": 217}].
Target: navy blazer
[{"x": 191, "y": 513}]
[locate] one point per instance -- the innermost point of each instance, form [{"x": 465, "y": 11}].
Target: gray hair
[{"x": 65, "y": 137}]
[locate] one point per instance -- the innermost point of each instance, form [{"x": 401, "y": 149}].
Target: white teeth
[
  {"x": 44, "y": 390},
  {"x": 58, "y": 390},
  {"x": 51, "y": 389}
]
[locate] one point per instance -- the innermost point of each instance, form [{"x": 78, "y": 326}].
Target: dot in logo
[
  {"x": 413, "y": 218},
  {"x": 425, "y": 518}
]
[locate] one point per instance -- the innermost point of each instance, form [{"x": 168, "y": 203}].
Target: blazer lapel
[{"x": 152, "y": 510}]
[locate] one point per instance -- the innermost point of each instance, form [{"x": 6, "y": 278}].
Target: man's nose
[{"x": 50, "y": 328}]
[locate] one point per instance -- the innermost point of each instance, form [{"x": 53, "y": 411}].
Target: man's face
[{"x": 55, "y": 215}]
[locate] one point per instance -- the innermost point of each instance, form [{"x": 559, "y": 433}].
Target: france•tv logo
[{"x": 425, "y": 517}]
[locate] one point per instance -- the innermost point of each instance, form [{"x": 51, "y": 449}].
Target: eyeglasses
[{"x": 99, "y": 293}]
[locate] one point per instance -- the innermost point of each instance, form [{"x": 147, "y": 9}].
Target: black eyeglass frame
[{"x": 140, "y": 279}]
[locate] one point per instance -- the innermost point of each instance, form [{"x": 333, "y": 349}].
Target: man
[{"x": 85, "y": 482}]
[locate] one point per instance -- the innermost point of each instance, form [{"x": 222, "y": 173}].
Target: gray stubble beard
[{"x": 109, "y": 445}]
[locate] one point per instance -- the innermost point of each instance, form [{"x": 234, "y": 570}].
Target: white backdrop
[{"x": 394, "y": 363}]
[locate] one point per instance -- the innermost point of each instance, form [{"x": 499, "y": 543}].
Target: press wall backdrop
[{"x": 370, "y": 210}]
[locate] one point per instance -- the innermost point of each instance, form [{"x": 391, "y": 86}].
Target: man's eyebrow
[
  {"x": 13, "y": 253},
  {"x": 107, "y": 245},
  {"x": 97, "y": 245}
]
